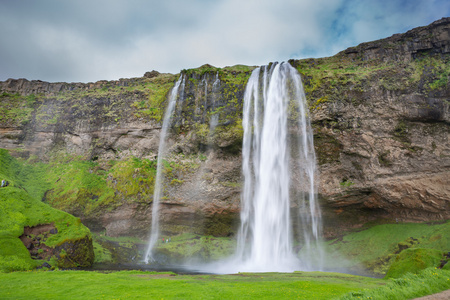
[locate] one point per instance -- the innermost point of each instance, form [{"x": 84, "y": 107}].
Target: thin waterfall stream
[{"x": 154, "y": 235}]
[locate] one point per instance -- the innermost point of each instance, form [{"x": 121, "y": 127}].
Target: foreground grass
[
  {"x": 153, "y": 285},
  {"x": 426, "y": 282},
  {"x": 150, "y": 285}
]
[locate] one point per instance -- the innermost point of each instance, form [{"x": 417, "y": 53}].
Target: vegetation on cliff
[
  {"x": 16, "y": 110},
  {"x": 69, "y": 243},
  {"x": 88, "y": 188},
  {"x": 345, "y": 79},
  {"x": 91, "y": 188}
]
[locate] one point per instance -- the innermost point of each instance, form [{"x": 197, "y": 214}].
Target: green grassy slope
[
  {"x": 20, "y": 206},
  {"x": 413, "y": 261},
  {"x": 376, "y": 248}
]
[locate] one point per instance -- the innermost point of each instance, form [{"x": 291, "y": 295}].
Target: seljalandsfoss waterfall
[
  {"x": 277, "y": 144},
  {"x": 280, "y": 222}
]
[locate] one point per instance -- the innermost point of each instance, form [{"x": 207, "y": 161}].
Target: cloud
[{"x": 87, "y": 41}]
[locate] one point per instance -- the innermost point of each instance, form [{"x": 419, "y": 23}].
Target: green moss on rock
[
  {"x": 378, "y": 247},
  {"x": 414, "y": 260},
  {"x": 78, "y": 253},
  {"x": 88, "y": 188},
  {"x": 16, "y": 109}
]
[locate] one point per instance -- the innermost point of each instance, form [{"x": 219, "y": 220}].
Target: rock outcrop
[
  {"x": 70, "y": 254},
  {"x": 433, "y": 39},
  {"x": 380, "y": 113}
]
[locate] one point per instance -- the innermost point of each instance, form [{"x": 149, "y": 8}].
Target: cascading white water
[
  {"x": 214, "y": 116},
  {"x": 154, "y": 235},
  {"x": 275, "y": 109}
]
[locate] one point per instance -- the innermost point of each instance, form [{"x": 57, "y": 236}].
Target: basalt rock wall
[{"x": 380, "y": 114}]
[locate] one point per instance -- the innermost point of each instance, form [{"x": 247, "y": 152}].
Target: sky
[{"x": 86, "y": 41}]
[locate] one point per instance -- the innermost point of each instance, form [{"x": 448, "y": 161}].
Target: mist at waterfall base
[{"x": 280, "y": 218}]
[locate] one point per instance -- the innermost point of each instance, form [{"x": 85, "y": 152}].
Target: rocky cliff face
[
  {"x": 382, "y": 130},
  {"x": 380, "y": 114}
]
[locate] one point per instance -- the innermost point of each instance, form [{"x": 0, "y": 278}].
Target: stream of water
[{"x": 154, "y": 235}]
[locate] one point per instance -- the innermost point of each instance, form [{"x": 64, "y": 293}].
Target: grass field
[
  {"x": 152, "y": 285},
  {"x": 148, "y": 285}
]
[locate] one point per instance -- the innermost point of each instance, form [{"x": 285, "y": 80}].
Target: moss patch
[
  {"x": 88, "y": 188},
  {"x": 16, "y": 110},
  {"x": 413, "y": 260},
  {"x": 344, "y": 78}
]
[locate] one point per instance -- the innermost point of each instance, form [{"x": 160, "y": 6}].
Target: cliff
[
  {"x": 380, "y": 113},
  {"x": 381, "y": 117}
]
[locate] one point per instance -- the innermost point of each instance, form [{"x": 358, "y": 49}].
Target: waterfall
[
  {"x": 277, "y": 143},
  {"x": 214, "y": 120},
  {"x": 154, "y": 235}
]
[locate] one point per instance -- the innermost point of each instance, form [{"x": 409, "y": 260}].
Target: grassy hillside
[
  {"x": 20, "y": 206},
  {"x": 378, "y": 247}
]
